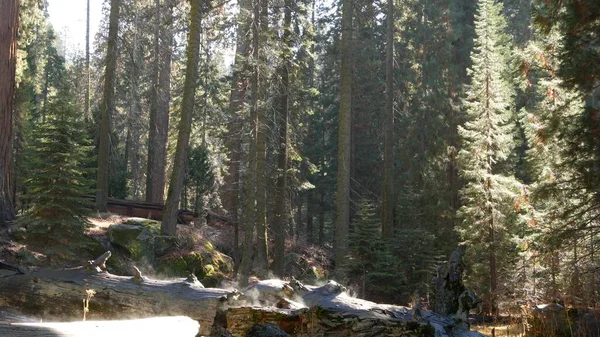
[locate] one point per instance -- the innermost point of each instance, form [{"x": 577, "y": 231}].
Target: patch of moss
[
  {"x": 137, "y": 239},
  {"x": 152, "y": 225},
  {"x": 213, "y": 280},
  {"x": 208, "y": 270}
]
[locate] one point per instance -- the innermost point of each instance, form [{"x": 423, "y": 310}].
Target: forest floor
[{"x": 500, "y": 329}]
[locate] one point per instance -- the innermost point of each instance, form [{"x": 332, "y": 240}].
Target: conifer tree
[
  {"x": 169, "y": 221},
  {"x": 108, "y": 105},
  {"x": 370, "y": 262},
  {"x": 365, "y": 246},
  {"x": 56, "y": 178},
  {"x": 344, "y": 134},
  {"x": 561, "y": 205},
  {"x": 487, "y": 137},
  {"x": 8, "y": 57}
]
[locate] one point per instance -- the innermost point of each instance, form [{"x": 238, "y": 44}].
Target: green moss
[
  {"x": 152, "y": 225},
  {"x": 137, "y": 239},
  {"x": 208, "y": 270},
  {"x": 212, "y": 281}
]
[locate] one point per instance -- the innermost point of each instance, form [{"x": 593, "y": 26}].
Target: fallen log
[
  {"x": 142, "y": 209},
  {"x": 177, "y": 326},
  {"x": 297, "y": 309},
  {"x": 329, "y": 311},
  {"x": 58, "y": 295}
]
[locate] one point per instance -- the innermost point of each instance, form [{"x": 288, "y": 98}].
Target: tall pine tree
[{"x": 487, "y": 137}]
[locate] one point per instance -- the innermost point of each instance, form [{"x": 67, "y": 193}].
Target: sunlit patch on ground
[{"x": 500, "y": 330}]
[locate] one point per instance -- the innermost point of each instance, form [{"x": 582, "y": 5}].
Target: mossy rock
[
  {"x": 209, "y": 265},
  {"x": 136, "y": 237},
  {"x": 152, "y": 225},
  {"x": 213, "y": 280}
]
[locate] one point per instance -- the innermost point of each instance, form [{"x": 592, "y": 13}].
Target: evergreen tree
[
  {"x": 159, "y": 100},
  {"x": 169, "y": 221},
  {"x": 558, "y": 227},
  {"x": 344, "y": 139},
  {"x": 199, "y": 175},
  {"x": 57, "y": 180},
  {"x": 108, "y": 105},
  {"x": 487, "y": 212},
  {"x": 577, "y": 22},
  {"x": 388, "y": 128},
  {"x": 369, "y": 262},
  {"x": 416, "y": 257},
  {"x": 282, "y": 167},
  {"x": 8, "y": 57}
]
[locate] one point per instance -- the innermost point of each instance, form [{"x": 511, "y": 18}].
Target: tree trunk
[
  {"x": 57, "y": 295},
  {"x": 388, "y": 129},
  {"x": 250, "y": 209},
  {"x": 262, "y": 255},
  {"x": 299, "y": 204},
  {"x": 309, "y": 216},
  {"x": 135, "y": 114},
  {"x": 281, "y": 200},
  {"x": 107, "y": 108},
  {"x": 87, "y": 62},
  {"x": 9, "y": 23},
  {"x": 344, "y": 146},
  {"x": 328, "y": 311},
  {"x": 175, "y": 326},
  {"x": 169, "y": 222},
  {"x": 231, "y": 188},
  {"x": 152, "y": 175},
  {"x": 159, "y": 100}
]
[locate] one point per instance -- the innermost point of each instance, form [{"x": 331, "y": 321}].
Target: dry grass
[{"x": 500, "y": 330}]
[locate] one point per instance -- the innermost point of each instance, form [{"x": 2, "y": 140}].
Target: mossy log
[{"x": 57, "y": 294}]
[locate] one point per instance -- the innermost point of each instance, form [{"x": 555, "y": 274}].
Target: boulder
[{"x": 136, "y": 236}]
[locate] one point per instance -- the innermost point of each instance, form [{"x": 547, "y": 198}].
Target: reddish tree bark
[{"x": 9, "y": 23}]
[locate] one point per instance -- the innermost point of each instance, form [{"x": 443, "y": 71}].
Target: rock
[
  {"x": 137, "y": 238},
  {"x": 208, "y": 264},
  {"x": 267, "y": 330}
]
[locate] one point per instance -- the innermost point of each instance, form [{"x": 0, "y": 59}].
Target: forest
[{"x": 380, "y": 133}]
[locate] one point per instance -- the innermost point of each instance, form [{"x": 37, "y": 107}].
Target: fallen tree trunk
[
  {"x": 58, "y": 295},
  {"x": 328, "y": 310},
  {"x": 178, "y": 326},
  {"x": 297, "y": 309}
]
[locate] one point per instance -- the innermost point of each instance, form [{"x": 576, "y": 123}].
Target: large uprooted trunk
[{"x": 297, "y": 309}]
